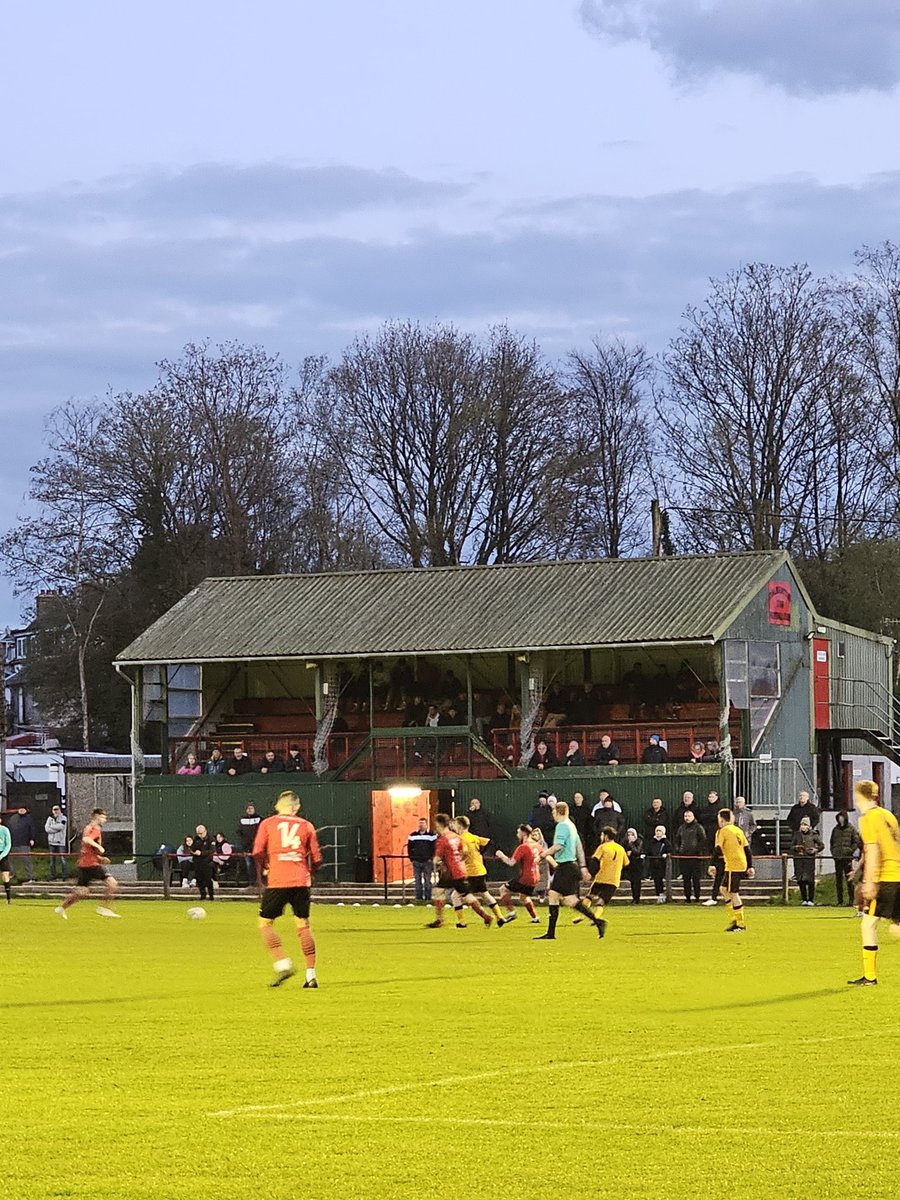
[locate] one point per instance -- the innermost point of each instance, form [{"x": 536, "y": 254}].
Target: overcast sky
[{"x": 289, "y": 173}]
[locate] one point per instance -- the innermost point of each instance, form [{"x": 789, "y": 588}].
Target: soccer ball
[{"x": 196, "y": 914}]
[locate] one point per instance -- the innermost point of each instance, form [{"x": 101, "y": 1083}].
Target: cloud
[{"x": 805, "y": 47}]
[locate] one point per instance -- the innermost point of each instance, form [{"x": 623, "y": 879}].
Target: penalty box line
[{"x": 399, "y": 1089}]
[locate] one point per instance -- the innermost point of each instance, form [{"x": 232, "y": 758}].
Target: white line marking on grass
[
  {"x": 505, "y": 1072},
  {"x": 612, "y": 1126}
]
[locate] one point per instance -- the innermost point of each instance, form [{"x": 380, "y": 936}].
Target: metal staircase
[{"x": 867, "y": 712}]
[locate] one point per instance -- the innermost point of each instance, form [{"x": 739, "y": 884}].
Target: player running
[
  {"x": 733, "y": 849},
  {"x": 476, "y": 871},
  {"x": 880, "y": 887},
  {"x": 287, "y": 848},
  {"x": 452, "y": 873},
  {"x": 526, "y": 863},
  {"x": 92, "y": 863},
  {"x": 566, "y": 875},
  {"x": 611, "y": 860},
  {"x": 5, "y": 847}
]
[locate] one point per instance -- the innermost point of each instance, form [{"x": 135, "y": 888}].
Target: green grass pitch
[{"x": 148, "y": 1058}]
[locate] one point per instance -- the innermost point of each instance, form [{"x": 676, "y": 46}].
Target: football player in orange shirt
[{"x": 287, "y": 848}]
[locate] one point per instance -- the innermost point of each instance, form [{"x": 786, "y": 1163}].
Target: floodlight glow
[{"x": 404, "y": 791}]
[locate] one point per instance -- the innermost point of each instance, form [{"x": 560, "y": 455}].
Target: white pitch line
[
  {"x": 612, "y": 1126},
  {"x": 525, "y": 1069}
]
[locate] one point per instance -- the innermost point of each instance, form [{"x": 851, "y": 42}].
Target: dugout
[{"x": 351, "y": 668}]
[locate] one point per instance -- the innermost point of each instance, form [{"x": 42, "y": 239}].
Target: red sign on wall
[{"x": 779, "y": 603}]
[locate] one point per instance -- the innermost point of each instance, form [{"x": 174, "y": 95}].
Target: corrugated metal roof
[{"x": 522, "y": 606}]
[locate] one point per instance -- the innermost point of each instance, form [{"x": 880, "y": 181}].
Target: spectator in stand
[
  {"x": 190, "y": 766},
  {"x": 401, "y": 683},
  {"x": 479, "y": 819},
  {"x": 202, "y": 853},
  {"x": 634, "y": 872},
  {"x": 184, "y": 858},
  {"x": 657, "y": 852},
  {"x": 415, "y": 712},
  {"x": 56, "y": 828},
  {"x": 807, "y": 844},
  {"x": 222, "y": 856},
  {"x": 542, "y": 758},
  {"x": 634, "y": 684},
  {"x": 692, "y": 843},
  {"x": 708, "y": 816},
  {"x": 239, "y": 763},
  {"x": 609, "y": 816},
  {"x": 602, "y": 797},
  {"x": 712, "y": 752},
  {"x": 685, "y": 685},
  {"x": 580, "y": 816},
  {"x": 687, "y": 802},
  {"x": 696, "y": 755},
  {"x": 432, "y": 717},
  {"x": 845, "y": 848},
  {"x": 481, "y": 712},
  {"x": 574, "y": 757},
  {"x": 655, "y": 815},
  {"x": 803, "y": 809},
  {"x": 542, "y": 817},
  {"x": 744, "y": 819},
  {"x": 272, "y": 764},
  {"x": 661, "y": 692},
  {"x": 215, "y": 764},
  {"x": 21, "y": 831},
  {"x": 654, "y": 752},
  {"x": 295, "y": 760},
  {"x": 555, "y": 703},
  {"x": 607, "y": 752},
  {"x": 246, "y": 835},
  {"x": 420, "y": 852},
  {"x": 584, "y": 705}
]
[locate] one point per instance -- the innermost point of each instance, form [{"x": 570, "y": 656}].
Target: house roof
[{"x": 440, "y": 610}]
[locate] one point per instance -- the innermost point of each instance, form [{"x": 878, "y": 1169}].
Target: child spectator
[{"x": 657, "y": 851}]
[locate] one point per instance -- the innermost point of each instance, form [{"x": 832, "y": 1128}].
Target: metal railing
[
  {"x": 771, "y": 788},
  {"x": 866, "y": 704}
]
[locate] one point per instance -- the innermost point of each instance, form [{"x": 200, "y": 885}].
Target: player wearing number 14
[{"x": 287, "y": 849}]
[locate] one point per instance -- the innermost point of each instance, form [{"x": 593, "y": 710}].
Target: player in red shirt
[
  {"x": 286, "y": 847},
  {"x": 91, "y": 869},
  {"x": 526, "y": 862},
  {"x": 452, "y": 874}
]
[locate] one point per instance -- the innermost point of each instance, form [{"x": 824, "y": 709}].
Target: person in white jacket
[{"x": 56, "y": 828}]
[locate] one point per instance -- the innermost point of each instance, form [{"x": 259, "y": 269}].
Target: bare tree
[
  {"x": 69, "y": 549},
  {"x": 454, "y": 447},
  {"x": 748, "y": 408},
  {"x": 608, "y": 396}
]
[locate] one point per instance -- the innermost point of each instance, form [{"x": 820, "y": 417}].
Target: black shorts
[
  {"x": 732, "y": 881},
  {"x": 89, "y": 875},
  {"x": 887, "y": 901},
  {"x": 449, "y": 884},
  {"x": 476, "y": 885},
  {"x": 565, "y": 879},
  {"x": 4, "y": 863},
  {"x": 604, "y": 892},
  {"x": 520, "y": 889},
  {"x": 275, "y": 900}
]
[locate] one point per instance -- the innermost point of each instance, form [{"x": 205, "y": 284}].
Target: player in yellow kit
[
  {"x": 476, "y": 871},
  {"x": 611, "y": 859},
  {"x": 733, "y": 849},
  {"x": 880, "y": 888}
]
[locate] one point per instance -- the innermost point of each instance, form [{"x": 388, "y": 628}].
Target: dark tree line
[{"x": 772, "y": 420}]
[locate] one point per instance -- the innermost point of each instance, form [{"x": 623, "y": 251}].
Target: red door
[
  {"x": 394, "y": 818},
  {"x": 821, "y": 683}
]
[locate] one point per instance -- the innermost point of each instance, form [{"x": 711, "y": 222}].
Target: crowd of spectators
[{"x": 240, "y": 763}]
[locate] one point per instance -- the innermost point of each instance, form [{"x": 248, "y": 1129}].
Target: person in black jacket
[
  {"x": 845, "y": 847},
  {"x": 542, "y": 817},
  {"x": 655, "y": 815},
  {"x": 420, "y": 851},
  {"x": 803, "y": 808},
  {"x": 691, "y": 842},
  {"x": 580, "y": 816},
  {"x": 654, "y": 752},
  {"x": 272, "y": 764},
  {"x": 574, "y": 757},
  {"x": 295, "y": 760},
  {"x": 708, "y": 816},
  {"x": 657, "y": 852},
  {"x": 479, "y": 820},
  {"x": 607, "y": 754},
  {"x": 634, "y": 872},
  {"x": 609, "y": 816},
  {"x": 246, "y": 835},
  {"x": 202, "y": 853},
  {"x": 239, "y": 763}
]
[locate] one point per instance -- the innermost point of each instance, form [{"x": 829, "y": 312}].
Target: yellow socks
[{"x": 870, "y": 954}]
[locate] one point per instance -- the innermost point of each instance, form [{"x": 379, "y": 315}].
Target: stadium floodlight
[{"x": 404, "y": 791}]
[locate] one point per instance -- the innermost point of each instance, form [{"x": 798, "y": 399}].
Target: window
[
  {"x": 753, "y": 681},
  {"x": 173, "y": 694}
]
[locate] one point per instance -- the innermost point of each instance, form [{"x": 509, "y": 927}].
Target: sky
[{"x": 290, "y": 174}]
